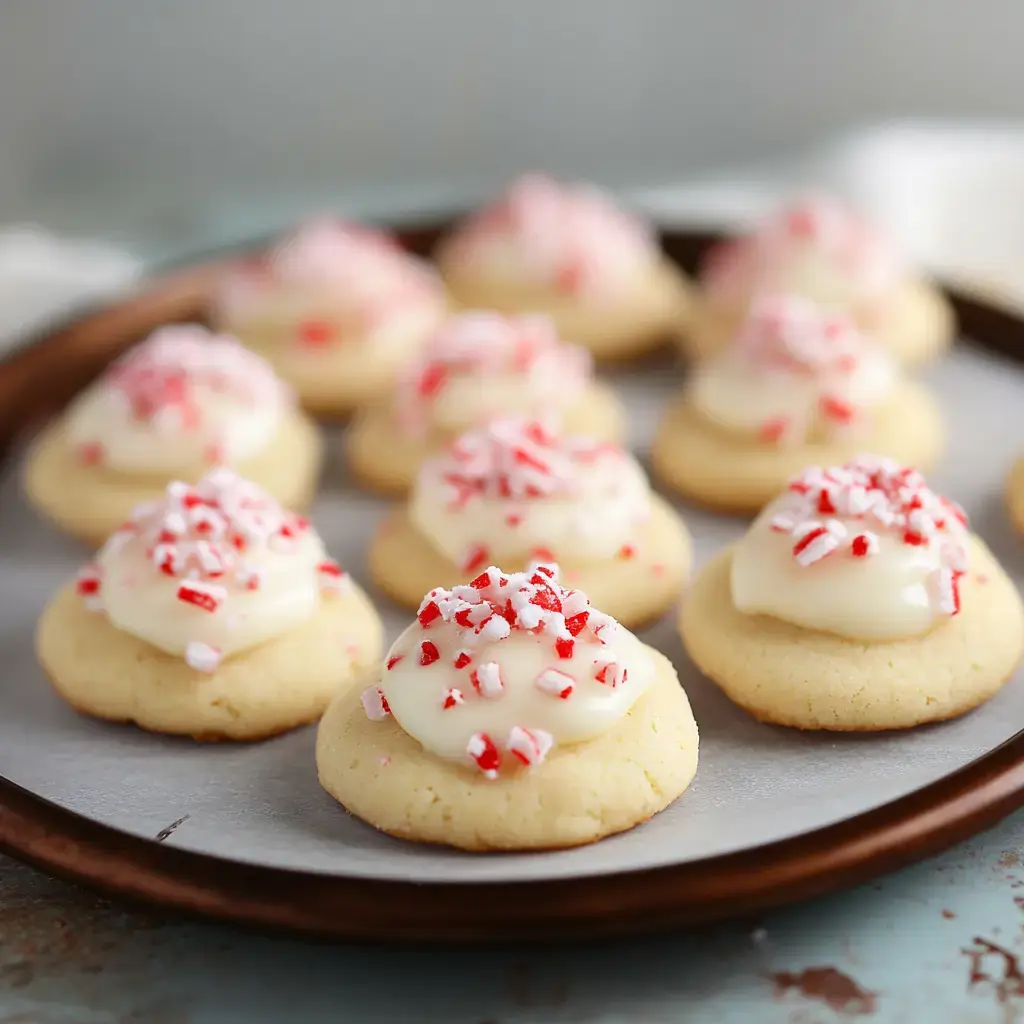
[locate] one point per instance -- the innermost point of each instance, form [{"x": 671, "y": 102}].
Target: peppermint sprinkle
[
  {"x": 202, "y": 657},
  {"x": 514, "y": 460},
  {"x": 88, "y": 585},
  {"x": 530, "y": 746},
  {"x": 881, "y": 497},
  {"x": 557, "y": 684},
  {"x": 483, "y": 752},
  {"x": 375, "y": 704},
  {"x": 486, "y": 679}
]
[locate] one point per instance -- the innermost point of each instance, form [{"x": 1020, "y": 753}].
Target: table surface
[{"x": 934, "y": 943}]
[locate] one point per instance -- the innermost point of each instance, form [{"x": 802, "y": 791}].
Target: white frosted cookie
[
  {"x": 798, "y": 386},
  {"x": 212, "y": 613},
  {"x": 857, "y": 601},
  {"x": 182, "y": 401},
  {"x": 1015, "y": 494},
  {"x": 337, "y": 308},
  {"x": 515, "y": 492},
  {"x": 569, "y": 252},
  {"x": 819, "y": 249},
  {"x": 511, "y": 715},
  {"x": 477, "y": 367}
]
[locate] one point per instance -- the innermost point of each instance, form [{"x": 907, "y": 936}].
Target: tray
[{"x": 243, "y": 832}]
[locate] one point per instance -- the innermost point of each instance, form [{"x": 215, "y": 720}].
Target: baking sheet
[{"x": 261, "y": 803}]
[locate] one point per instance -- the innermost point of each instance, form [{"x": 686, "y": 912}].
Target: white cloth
[{"x": 43, "y": 277}]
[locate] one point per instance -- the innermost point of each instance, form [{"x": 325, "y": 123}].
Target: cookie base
[
  {"x": 90, "y": 502},
  {"x": 579, "y": 795},
  {"x": 917, "y": 328},
  {"x": 385, "y": 459},
  {"x": 652, "y": 315},
  {"x": 726, "y": 472},
  {"x": 289, "y": 681},
  {"x": 637, "y": 590},
  {"x": 786, "y": 675}
]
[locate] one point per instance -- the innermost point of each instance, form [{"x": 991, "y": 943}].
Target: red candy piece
[
  {"x": 429, "y": 652},
  {"x": 481, "y": 749},
  {"x": 564, "y": 647},
  {"x": 315, "y": 333},
  {"x": 393, "y": 661}
]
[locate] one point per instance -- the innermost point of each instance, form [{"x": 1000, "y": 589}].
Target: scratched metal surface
[
  {"x": 935, "y": 944},
  {"x": 262, "y": 802}
]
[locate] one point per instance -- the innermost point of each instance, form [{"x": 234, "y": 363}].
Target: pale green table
[{"x": 932, "y": 944}]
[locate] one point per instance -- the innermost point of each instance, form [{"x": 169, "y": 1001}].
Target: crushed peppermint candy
[
  {"x": 484, "y": 753},
  {"x": 515, "y": 460},
  {"x": 530, "y": 746},
  {"x": 484, "y": 345},
  {"x": 571, "y": 238},
  {"x": 202, "y": 657},
  {"x": 375, "y": 704},
  {"x": 843, "y": 511},
  {"x": 88, "y": 586},
  {"x": 846, "y": 244},
  {"x": 161, "y": 381},
  {"x": 790, "y": 335}
]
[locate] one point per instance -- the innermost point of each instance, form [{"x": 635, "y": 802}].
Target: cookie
[
  {"x": 568, "y": 252},
  {"x": 213, "y": 614},
  {"x": 475, "y": 368},
  {"x": 821, "y": 250},
  {"x": 849, "y": 624},
  {"x": 175, "y": 405},
  {"x": 798, "y": 386},
  {"x": 337, "y": 309},
  {"x": 590, "y": 510},
  {"x": 526, "y": 745}
]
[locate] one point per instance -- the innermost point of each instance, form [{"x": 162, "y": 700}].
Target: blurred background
[{"x": 171, "y": 127}]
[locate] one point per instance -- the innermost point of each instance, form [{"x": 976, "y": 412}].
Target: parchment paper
[{"x": 262, "y": 803}]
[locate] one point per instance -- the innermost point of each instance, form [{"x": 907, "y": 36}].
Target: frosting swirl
[
  {"x": 479, "y": 366},
  {"x": 210, "y": 570},
  {"x": 497, "y": 673},
  {"x": 182, "y": 399},
  {"x": 356, "y": 279},
  {"x": 816, "y": 247},
  {"x": 573, "y": 239},
  {"x": 865, "y": 551},
  {"x": 794, "y": 372},
  {"x": 516, "y": 490}
]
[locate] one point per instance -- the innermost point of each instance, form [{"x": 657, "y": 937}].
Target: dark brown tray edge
[{"x": 38, "y": 379}]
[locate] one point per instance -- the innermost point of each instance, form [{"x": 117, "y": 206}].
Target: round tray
[{"x": 40, "y": 377}]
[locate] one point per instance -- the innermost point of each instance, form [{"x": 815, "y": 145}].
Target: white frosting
[
  {"x": 500, "y": 671},
  {"x": 817, "y": 248},
  {"x": 794, "y": 372},
  {"x": 570, "y": 238},
  {"x": 480, "y": 366},
  {"x": 515, "y": 490},
  {"x": 181, "y": 399},
  {"x": 864, "y": 551},
  {"x": 333, "y": 283},
  {"x": 217, "y": 567}
]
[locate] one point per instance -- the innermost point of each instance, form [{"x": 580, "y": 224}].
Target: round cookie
[
  {"x": 857, "y": 601},
  {"x": 337, "y": 309},
  {"x": 636, "y": 588},
  {"x": 515, "y": 491},
  {"x": 824, "y": 251},
  {"x": 90, "y": 501},
  {"x": 557, "y": 729},
  {"x": 570, "y": 253},
  {"x": 1015, "y": 494},
  {"x": 212, "y": 613},
  {"x": 798, "y": 385},
  {"x": 181, "y": 401},
  {"x": 287, "y": 682},
  {"x": 712, "y": 468},
  {"x": 787, "y": 675}
]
